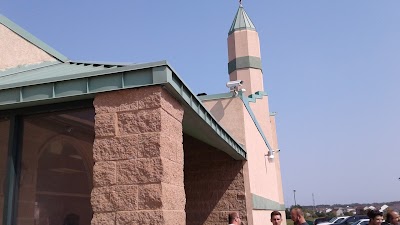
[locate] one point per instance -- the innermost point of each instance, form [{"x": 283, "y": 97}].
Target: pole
[
  {"x": 294, "y": 194},
  {"x": 313, "y": 200}
]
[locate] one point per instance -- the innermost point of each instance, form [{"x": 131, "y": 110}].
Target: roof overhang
[{"x": 198, "y": 121}]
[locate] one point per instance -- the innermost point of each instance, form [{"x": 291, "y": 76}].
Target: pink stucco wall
[
  {"x": 263, "y": 181},
  {"x": 277, "y": 161},
  {"x": 261, "y": 110},
  {"x": 252, "y": 79},
  {"x": 16, "y": 51},
  {"x": 227, "y": 110},
  {"x": 243, "y": 43}
]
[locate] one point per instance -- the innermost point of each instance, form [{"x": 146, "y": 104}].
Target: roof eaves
[
  {"x": 104, "y": 63},
  {"x": 83, "y": 75},
  {"x": 32, "y": 39},
  {"x": 177, "y": 86},
  {"x": 216, "y": 96},
  {"x": 85, "y": 86}
]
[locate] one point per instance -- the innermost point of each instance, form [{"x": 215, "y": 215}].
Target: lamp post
[{"x": 294, "y": 195}]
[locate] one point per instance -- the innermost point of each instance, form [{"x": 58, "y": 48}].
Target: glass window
[
  {"x": 4, "y": 129},
  {"x": 333, "y": 220},
  {"x": 56, "y": 169},
  {"x": 339, "y": 220}
]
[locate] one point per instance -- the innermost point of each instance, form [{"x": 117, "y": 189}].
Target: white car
[
  {"x": 334, "y": 220},
  {"x": 361, "y": 222}
]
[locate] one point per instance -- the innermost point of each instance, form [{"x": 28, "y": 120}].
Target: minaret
[
  {"x": 245, "y": 64},
  {"x": 244, "y": 53}
]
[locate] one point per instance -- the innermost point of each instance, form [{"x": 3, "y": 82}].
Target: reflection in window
[
  {"x": 56, "y": 169},
  {"x": 4, "y": 129}
]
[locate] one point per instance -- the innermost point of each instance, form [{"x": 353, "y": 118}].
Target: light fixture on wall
[{"x": 271, "y": 154}]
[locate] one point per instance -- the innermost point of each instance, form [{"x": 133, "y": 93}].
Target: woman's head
[{"x": 375, "y": 217}]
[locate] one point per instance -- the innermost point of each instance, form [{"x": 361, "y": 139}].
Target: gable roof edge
[{"x": 32, "y": 39}]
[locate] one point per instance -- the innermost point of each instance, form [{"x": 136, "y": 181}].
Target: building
[{"x": 105, "y": 143}]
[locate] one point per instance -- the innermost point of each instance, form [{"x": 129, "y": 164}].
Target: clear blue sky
[{"x": 331, "y": 68}]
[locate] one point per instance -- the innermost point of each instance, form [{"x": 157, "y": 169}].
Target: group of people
[
  {"x": 376, "y": 218},
  {"x": 297, "y": 215},
  {"x": 234, "y": 218}
]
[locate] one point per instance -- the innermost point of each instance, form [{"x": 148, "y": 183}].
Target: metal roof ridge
[
  {"x": 86, "y": 74},
  {"x": 26, "y": 68},
  {"x": 31, "y": 38},
  {"x": 104, "y": 63}
]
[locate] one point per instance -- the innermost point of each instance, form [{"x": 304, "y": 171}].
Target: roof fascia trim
[
  {"x": 85, "y": 86},
  {"x": 85, "y": 75},
  {"x": 173, "y": 83},
  {"x": 32, "y": 39},
  {"x": 216, "y": 96}
]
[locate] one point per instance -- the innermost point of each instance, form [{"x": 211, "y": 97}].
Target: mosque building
[{"x": 108, "y": 143}]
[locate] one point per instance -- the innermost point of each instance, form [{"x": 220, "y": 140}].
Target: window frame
[{"x": 14, "y": 154}]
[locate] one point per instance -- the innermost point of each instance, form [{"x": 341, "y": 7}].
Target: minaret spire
[{"x": 244, "y": 52}]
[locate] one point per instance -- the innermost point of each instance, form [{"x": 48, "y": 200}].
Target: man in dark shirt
[{"x": 297, "y": 216}]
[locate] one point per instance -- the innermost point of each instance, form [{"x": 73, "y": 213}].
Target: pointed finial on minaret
[{"x": 240, "y": 3}]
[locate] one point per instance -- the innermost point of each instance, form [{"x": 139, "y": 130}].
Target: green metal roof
[
  {"x": 47, "y": 71},
  {"x": 241, "y": 22},
  {"x": 32, "y": 39},
  {"x": 62, "y": 82}
]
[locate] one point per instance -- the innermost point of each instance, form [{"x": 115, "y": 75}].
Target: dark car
[
  {"x": 352, "y": 219},
  {"x": 322, "y": 220}
]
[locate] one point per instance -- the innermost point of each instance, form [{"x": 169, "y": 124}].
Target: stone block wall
[
  {"x": 138, "y": 153},
  {"x": 214, "y": 184}
]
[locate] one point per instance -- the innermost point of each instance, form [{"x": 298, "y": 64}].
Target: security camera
[{"x": 234, "y": 84}]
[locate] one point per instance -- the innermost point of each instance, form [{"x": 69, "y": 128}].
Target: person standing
[
  {"x": 276, "y": 218},
  {"x": 393, "y": 218},
  {"x": 297, "y": 215},
  {"x": 375, "y": 217},
  {"x": 234, "y": 218}
]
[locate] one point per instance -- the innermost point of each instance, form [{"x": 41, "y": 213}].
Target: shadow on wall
[
  {"x": 218, "y": 110},
  {"x": 214, "y": 184}
]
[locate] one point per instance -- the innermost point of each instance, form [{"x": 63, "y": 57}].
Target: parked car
[
  {"x": 334, "y": 220},
  {"x": 361, "y": 222},
  {"x": 350, "y": 220},
  {"x": 322, "y": 220}
]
